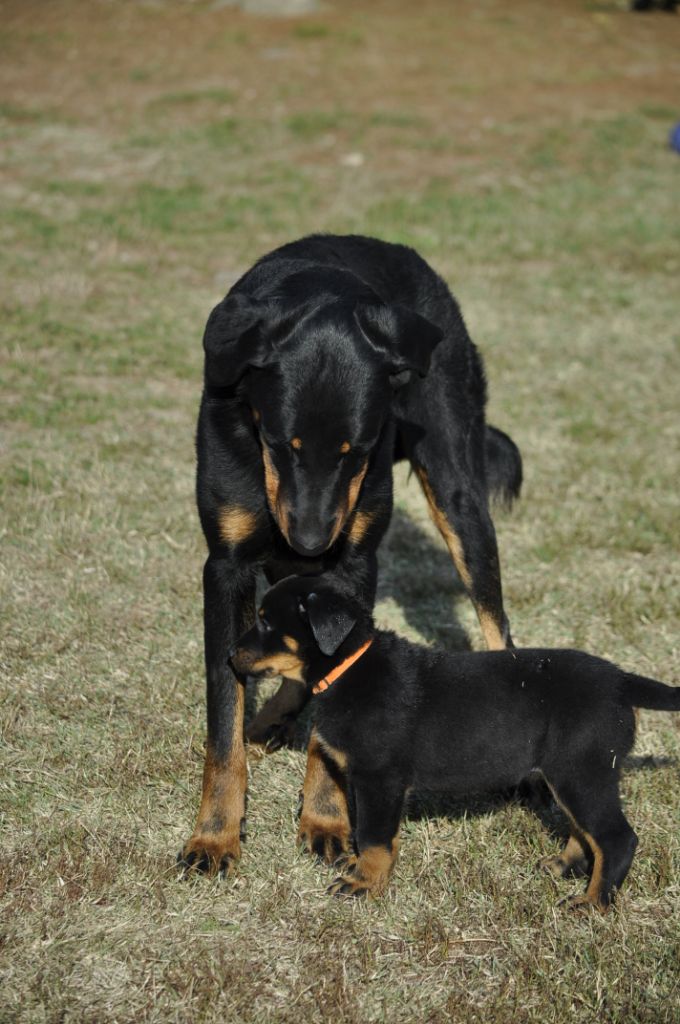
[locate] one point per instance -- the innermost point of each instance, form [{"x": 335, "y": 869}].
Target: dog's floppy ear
[
  {"x": 233, "y": 340},
  {"x": 405, "y": 339},
  {"x": 330, "y": 620}
]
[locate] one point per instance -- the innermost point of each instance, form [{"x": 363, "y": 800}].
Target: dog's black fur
[
  {"x": 328, "y": 360},
  {"x": 404, "y": 716},
  {"x": 654, "y": 5}
]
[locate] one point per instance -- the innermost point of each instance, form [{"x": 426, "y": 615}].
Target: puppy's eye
[
  {"x": 267, "y": 627},
  {"x": 302, "y": 611}
]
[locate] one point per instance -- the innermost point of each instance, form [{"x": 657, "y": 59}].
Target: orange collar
[{"x": 340, "y": 669}]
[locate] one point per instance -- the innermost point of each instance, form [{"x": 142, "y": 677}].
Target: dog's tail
[
  {"x": 503, "y": 466},
  {"x": 641, "y": 692}
]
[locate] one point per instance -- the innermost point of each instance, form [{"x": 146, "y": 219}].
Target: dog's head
[
  {"x": 319, "y": 374},
  {"x": 300, "y": 626}
]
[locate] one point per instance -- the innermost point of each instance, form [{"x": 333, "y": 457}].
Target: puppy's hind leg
[
  {"x": 594, "y": 808},
  {"x": 573, "y": 859}
]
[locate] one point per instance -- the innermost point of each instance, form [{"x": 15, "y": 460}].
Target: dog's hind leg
[
  {"x": 594, "y": 808},
  {"x": 574, "y": 858},
  {"x": 461, "y": 514}
]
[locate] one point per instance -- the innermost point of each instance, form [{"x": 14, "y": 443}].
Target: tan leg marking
[
  {"x": 593, "y": 894},
  {"x": 216, "y": 838},
  {"x": 491, "y": 629},
  {"x": 324, "y": 823},
  {"x": 367, "y": 874},
  {"x": 452, "y": 539},
  {"x": 361, "y": 522},
  {"x": 236, "y": 524},
  {"x": 572, "y": 856}
]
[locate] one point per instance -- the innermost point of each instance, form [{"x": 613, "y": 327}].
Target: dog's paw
[
  {"x": 349, "y": 885},
  {"x": 583, "y": 904},
  {"x": 272, "y": 736},
  {"x": 555, "y": 866},
  {"x": 365, "y": 875},
  {"x": 214, "y": 857},
  {"x": 327, "y": 838}
]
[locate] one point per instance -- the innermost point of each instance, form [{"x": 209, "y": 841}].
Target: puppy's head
[
  {"x": 318, "y": 369},
  {"x": 300, "y": 627}
]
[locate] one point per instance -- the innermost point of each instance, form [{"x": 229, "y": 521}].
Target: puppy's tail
[
  {"x": 503, "y": 466},
  {"x": 641, "y": 692}
]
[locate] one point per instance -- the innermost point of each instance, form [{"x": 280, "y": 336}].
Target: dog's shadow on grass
[
  {"x": 419, "y": 576},
  {"x": 532, "y": 794}
]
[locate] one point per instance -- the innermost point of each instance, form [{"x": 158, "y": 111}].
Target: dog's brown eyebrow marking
[
  {"x": 291, "y": 643},
  {"x": 236, "y": 524},
  {"x": 256, "y": 415},
  {"x": 345, "y": 447},
  {"x": 279, "y": 509},
  {"x": 296, "y": 443}
]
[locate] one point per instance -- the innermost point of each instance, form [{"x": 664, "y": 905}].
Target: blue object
[{"x": 674, "y": 138}]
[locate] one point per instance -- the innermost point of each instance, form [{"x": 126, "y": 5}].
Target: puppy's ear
[
  {"x": 405, "y": 339},
  {"x": 330, "y": 620},
  {"x": 233, "y": 339}
]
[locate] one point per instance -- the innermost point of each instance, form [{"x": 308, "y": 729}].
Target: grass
[{"x": 134, "y": 190}]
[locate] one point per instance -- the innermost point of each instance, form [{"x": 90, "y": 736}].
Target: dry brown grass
[{"x": 149, "y": 153}]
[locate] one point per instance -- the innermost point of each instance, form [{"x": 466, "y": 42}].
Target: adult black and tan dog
[
  {"x": 391, "y": 715},
  {"x": 329, "y": 359}
]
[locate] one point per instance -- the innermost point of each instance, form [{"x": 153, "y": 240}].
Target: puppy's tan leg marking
[
  {"x": 324, "y": 823},
  {"x": 368, "y": 874},
  {"x": 572, "y": 857}
]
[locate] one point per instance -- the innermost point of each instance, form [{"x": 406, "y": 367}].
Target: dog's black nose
[
  {"x": 309, "y": 552},
  {"x": 310, "y": 539}
]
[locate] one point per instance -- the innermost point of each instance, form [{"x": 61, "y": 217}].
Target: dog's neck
[{"x": 339, "y": 670}]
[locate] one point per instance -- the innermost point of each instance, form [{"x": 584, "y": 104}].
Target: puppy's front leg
[
  {"x": 324, "y": 822},
  {"x": 379, "y": 801}
]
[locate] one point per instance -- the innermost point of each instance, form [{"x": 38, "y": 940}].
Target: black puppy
[
  {"x": 391, "y": 715},
  {"x": 329, "y": 359}
]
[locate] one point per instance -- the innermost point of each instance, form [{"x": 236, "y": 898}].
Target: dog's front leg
[
  {"x": 324, "y": 822},
  {"x": 215, "y": 845},
  {"x": 379, "y": 802}
]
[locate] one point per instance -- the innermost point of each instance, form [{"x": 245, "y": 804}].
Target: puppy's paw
[
  {"x": 269, "y": 737},
  {"x": 555, "y": 866},
  {"x": 584, "y": 904},
  {"x": 349, "y": 885},
  {"x": 365, "y": 875}
]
